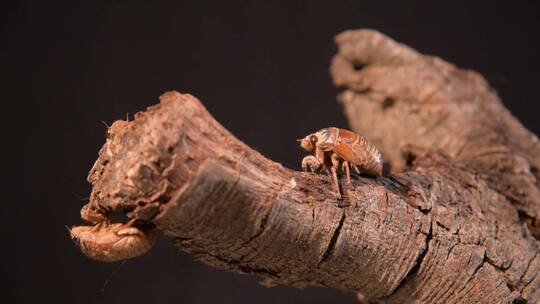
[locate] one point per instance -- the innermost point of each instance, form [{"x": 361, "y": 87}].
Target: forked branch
[{"x": 448, "y": 228}]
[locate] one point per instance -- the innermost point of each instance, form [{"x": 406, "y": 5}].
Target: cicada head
[{"x": 309, "y": 142}]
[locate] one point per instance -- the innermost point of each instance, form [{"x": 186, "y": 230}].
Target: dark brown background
[{"x": 260, "y": 68}]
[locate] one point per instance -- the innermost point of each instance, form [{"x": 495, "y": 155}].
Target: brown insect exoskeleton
[
  {"x": 334, "y": 147},
  {"x": 108, "y": 242},
  {"x": 113, "y": 242}
]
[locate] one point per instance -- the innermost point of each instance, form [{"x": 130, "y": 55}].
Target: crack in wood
[
  {"x": 332, "y": 244},
  {"x": 418, "y": 263}
]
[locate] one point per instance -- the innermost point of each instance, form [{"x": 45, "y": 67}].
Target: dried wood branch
[{"x": 455, "y": 226}]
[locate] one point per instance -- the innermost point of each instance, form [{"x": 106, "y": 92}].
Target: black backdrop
[{"x": 261, "y": 70}]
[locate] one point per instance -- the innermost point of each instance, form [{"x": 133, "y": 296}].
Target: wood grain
[{"x": 453, "y": 223}]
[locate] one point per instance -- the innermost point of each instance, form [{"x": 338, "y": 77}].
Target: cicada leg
[
  {"x": 335, "y": 166},
  {"x": 320, "y": 155},
  {"x": 312, "y": 163},
  {"x": 345, "y": 168}
]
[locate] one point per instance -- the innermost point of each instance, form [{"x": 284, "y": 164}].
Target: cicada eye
[{"x": 313, "y": 139}]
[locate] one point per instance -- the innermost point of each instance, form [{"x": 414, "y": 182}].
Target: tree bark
[{"x": 456, "y": 221}]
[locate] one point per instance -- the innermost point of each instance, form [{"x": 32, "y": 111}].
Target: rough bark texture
[{"x": 456, "y": 224}]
